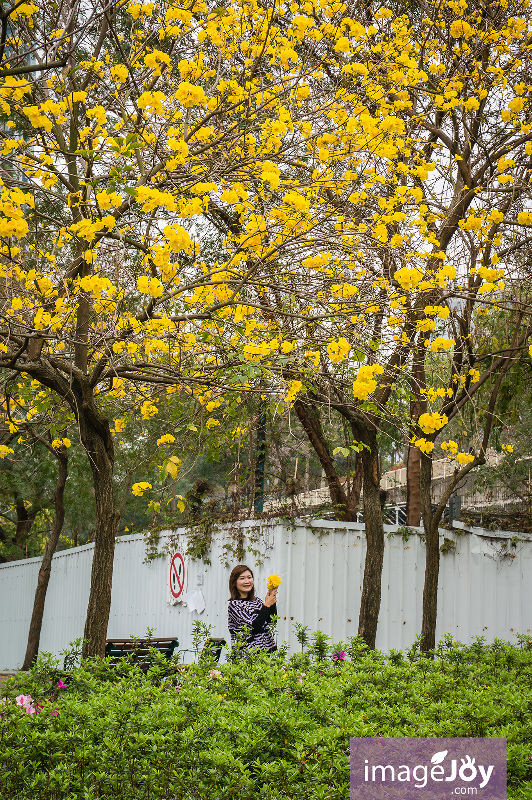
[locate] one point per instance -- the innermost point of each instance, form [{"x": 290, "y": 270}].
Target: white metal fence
[{"x": 485, "y": 587}]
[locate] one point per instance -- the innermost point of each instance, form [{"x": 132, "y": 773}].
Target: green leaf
[{"x": 343, "y": 450}]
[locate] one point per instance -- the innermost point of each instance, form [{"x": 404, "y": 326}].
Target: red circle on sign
[{"x": 177, "y": 575}]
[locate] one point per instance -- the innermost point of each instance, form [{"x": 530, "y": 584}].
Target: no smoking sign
[{"x": 177, "y": 578}]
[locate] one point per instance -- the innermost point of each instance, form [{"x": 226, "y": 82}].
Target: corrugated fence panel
[{"x": 485, "y": 587}]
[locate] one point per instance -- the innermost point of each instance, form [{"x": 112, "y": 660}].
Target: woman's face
[{"x": 244, "y": 583}]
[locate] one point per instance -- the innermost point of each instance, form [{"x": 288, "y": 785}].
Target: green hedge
[{"x": 270, "y": 727}]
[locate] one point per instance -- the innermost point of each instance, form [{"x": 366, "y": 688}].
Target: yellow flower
[
  {"x": 273, "y": 581},
  {"x": 148, "y": 409},
  {"x": 296, "y": 200},
  {"x": 408, "y": 277},
  {"x": 155, "y": 60},
  {"x": 153, "y": 100},
  {"x": 365, "y": 384},
  {"x": 61, "y": 443},
  {"x": 138, "y": 489},
  {"x": 190, "y": 95},
  {"x": 451, "y": 446},
  {"x": 439, "y": 344},
  {"x": 464, "y": 458},
  {"x": 286, "y": 347},
  {"x": 338, "y": 351},
  {"x": 167, "y": 438},
  {"x": 295, "y": 388},
  {"x": 430, "y": 423},
  {"x": 119, "y": 73},
  {"x": 424, "y": 446},
  {"x": 460, "y": 28}
]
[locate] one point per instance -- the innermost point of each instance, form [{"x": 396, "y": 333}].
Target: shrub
[{"x": 261, "y": 727}]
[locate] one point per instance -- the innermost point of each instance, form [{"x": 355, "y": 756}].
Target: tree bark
[
  {"x": 418, "y": 406},
  {"x": 25, "y": 519},
  {"x": 413, "y": 496},
  {"x": 97, "y": 440},
  {"x": 371, "y": 588},
  {"x": 356, "y": 486},
  {"x": 432, "y": 563},
  {"x": 34, "y": 634}
]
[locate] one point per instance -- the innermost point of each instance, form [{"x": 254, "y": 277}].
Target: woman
[{"x": 246, "y": 610}]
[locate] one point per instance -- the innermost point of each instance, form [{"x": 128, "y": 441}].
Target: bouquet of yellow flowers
[{"x": 273, "y": 581}]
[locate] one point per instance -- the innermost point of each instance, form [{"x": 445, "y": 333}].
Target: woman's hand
[{"x": 271, "y": 597}]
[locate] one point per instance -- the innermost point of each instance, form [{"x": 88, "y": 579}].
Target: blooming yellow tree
[
  {"x": 122, "y": 127},
  {"x": 363, "y": 178},
  {"x": 411, "y": 207}
]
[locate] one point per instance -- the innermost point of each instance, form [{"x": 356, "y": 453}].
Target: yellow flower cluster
[
  {"x": 364, "y": 383},
  {"x": 430, "y": 423},
  {"x": 61, "y": 443},
  {"x": 148, "y": 409},
  {"x": 338, "y": 351},
  {"x": 167, "y": 438},
  {"x": 450, "y": 446},
  {"x": 424, "y": 446},
  {"x": 190, "y": 95},
  {"x": 273, "y": 582},
  {"x": 151, "y": 286},
  {"x": 293, "y": 391},
  {"x": 440, "y": 344},
  {"x": 138, "y": 489},
  {"x": 408, "y": 278},
  {"x": 464, "y": 458}
]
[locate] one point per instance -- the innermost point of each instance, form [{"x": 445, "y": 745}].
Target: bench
[{"x": 139, "y": 650}]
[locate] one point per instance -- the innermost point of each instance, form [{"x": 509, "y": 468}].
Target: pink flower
[
  {"x": 339, "y": 655},
  {"x": 61, "y": 685},
  {"x": 25, "y": 701},
  {"x": 215, "y": 673},
  {"x": 54, "y": 713}
]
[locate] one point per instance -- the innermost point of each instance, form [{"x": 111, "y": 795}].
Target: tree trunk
[
  {"x": 413, "y": 495},
  {"x": 25, "y": 519},
  {"x": 356, "y": 486},
  {"x": 371, "y": 588},
  {"x": 432, "y": 564},
  {"x": 34, "y": 634},
  {"x": 311, "y": 424},
  {"x": 98, "y": 443},
  {"x": 418, "y": 406}
]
